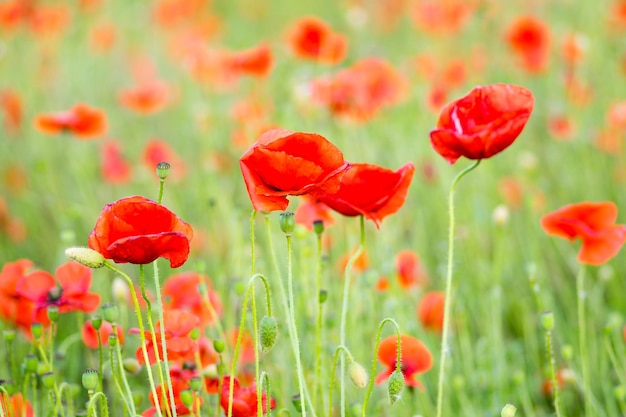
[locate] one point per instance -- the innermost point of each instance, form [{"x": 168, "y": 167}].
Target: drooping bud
[
  {"x": 120, "y": 289},
  {"x": 509, "y": 410},
  {"x": 131, "y": 365},
  {"x": 268, "y": 331},
  {"x": 86, "y": 256},
  {"x": 395, "y": 386},
  {"x": 91, "y": 379},
  {"x": 357, "y": 374},
  {"x": 287, "y": 222},
  {"x": 186, "y": 396},
  {"x": 163, "y": 170}
]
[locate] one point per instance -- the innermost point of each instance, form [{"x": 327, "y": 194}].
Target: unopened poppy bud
[
  {"x": 112, "y": 339},
  {"x": 219, "y": 345},
  {"x": 195, "y": 383},
  {"x": 163, "y": 170},
  {"x": 42, "y": 368},
  {"x": 500, "y": 215},
  {"x": 297, "y": 402},
  {"x": 287, "y": 222},
  {"x": 96, "y": 321},
  {"x": 131, "y": 365},
  {"x": 186, "y": 396},
  {"x": 53, "y": 313},
  {"x": 268, "y": 333},
  {"x": 47, "y": 379},
  {"x": 86, "y": 256},
  {"x": 110, "y": 312},
  {"x": 137, "y": 398},
  {"x": 194, "y": 333},
  {"x": 357, "y": 374},
  {"x": 210, "y": 372},
  {"x": 395, "y": 386},
  {"x": 9, "y": 335},
  {"x": 567, "y": 352},
  {"x": 36, "y": 330},
  {"x": 91, "y": 379},
  {"x": 547, "y": 321},
  {"x": 509, "y": 410},
  {"x": 318, "y": 227},
  {"x": 120, "y": 289},
  {"x": 30, "y": 363},
  {"x": 355, "y": 409},
  {"x": 323, "y": 296}
]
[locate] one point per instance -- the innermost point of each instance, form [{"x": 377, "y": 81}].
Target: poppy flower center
[{"x": 54, "y": 294}]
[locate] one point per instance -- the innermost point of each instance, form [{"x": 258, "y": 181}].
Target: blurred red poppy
[
  {"x": 311, "y": 38},
  {"x": 90, "y": 334},
  {"x": 312, "y": 210},
  {"x": 146, "y": 98},
  {"x": 14, "y": 308},
  {"x": 370, "y": 190},
  {"x": 182, "y": 292},
  {"x": 11, "y": 106},
  {"x": 441, "y": 16},
  {"x": 282, "y": 163},
  {"x": 416, "y": 358},
  {"x": 114, "y": 168},
  {"x": 15, "y": 405},
  {"x": 82, "y": 121},
  {"x": 156, "y": 151},
  {"x": 409, "y": 269},
  {"x": 138, "y": 230},
  {"x": 178, "y": 385},
  {"x": 71, "y": 293},
  {"x": 430, "y": 310},
  {"x": 529, "y": 37},
  {"x": 255, "y": 62},
  {"x": 483, "y": 123},
  {"x": 592, "y": 223},
  {"x": 245, "y": 400}
]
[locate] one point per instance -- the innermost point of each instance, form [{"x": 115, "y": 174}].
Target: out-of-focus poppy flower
[
  {"x": 102, "y": 36},
  {"x": 512, "y": 192},
  {"x": 361, "y": 263},
  {"x": 578, "y": 91},
  {"x": 529, "y": 38},
  {"x": 361, "y": 91},
  {"x": 311, "y": 38},
  {"x": 563, "y": 376},
  {"x": 483, "y": 123},
  {"x": 574, "y": 47},
  {"x": 441, "y": 16},
  {"x": 49, "y": 19},
  {"x": 13, "y": 13},
  {"x": 430, "y": 310},
  {"x": 245, "y": 400},
  {"x": 178, "y": 385},
  {"x": 592, "y": 223},
  {"x": 312, "y": 210},
  {"x": 14, "y": 308},
  {"x": 382, "y": 284},
  {"x": 15, "y": 405},
  {"x": 178, "y": 324},
  {"x": 182, "y": 292},
  {"x": 138, "y": 230},
  {"x": 114, "y": 169},
  {"x": 617, "y": 14},
  {"x": 15, "y": 179},
  {"x": 256, "y": 62},
  {"x": 90, "y": 334},
  {"x": 10, "y": 225},
  {"x": 71, "y": 293},
  {"x": 146, "y": 98},
  {"x": 409, "y": 269},
  {"x": 560, "y": 126},
  {"x": 11, "y": 105},
  {"x": 616, "y": 116},
  {"x": 82, "y": 121},
  {"x": 282, "y": 163},
  {"x": 437, "y": 97},
  {"x": 416, "y": 358},
  {"x": 173, "y": 13},
  {"x": 160, "y": 151},
  {"x": 370, "y": 190}
]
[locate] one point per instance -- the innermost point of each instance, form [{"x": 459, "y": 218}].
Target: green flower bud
[
  {"x": 86, "y": 256},
  {"x": 9, "y": 335},
  {"x": 47, "y": 379},
  {"x": 112, "y": 339},
  {"x": 509, "y": 410},
  {"x": 53, "y": 313},
  {"x": 287, "y": 222},
  {"x": 318, "y": 227},
  {"x": 268, "y": 333},
  {"x": 42, "y": 368},
  {"x": 131, "y": 365},
  {"x": 37, "y": 330},
  {"x": 547, "y": 321},
  {"x": 31, "y": 363},
  {"x": 110, "y": 312},
  {"x": 395, "y": 386},
  {"x": 355, "y": 410},
  {"x": 195, "y": 383},
  {"x": 194, "y": 334},
  {"x": 186, "y": 396},
  {"x": 323, "y": 296},
  {"x": 219, "y": 346},
  {"x": 357, "y": 374},
  {"x": 163, "y": 170},
  {"x": 297, "y": 402},
  {"x": 620, "y": 392},
  {"x": 567, "y": 352},
  {"x": 137, "y": 398},
  {"x": 96, "y": 321},
  {"x": 91, "y": 379}
]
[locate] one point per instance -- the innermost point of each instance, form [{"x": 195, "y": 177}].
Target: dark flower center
[{"x": 54, "y": 294}]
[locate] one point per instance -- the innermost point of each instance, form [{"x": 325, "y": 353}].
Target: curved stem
[
  {"x": 448, "y": 296},
  {"x": 332, "y": 375},
  {"x": 370, "y": 385},
  {"x": 344, "y": 312}
]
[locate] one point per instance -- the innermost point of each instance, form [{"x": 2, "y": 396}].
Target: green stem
[
  {"x": 320, "y": 326},
  {"x": 332, "y": 375},
  {"x": 92, "y": 403},
  {"x": 448, "y": 296},
  {"x": 101, "y": 360},
  {"x": 119, "y": 370},
  {"x": 555, "y": 385},
  {"x": 144, "y": 349},
  {"x": 370, "y": 385},
  {"x": 344, "y": 312},
  {"x": 581, "y": 295}
]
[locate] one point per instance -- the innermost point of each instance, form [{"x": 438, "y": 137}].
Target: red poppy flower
[
  {"x": 71, "y": 293},
  {"x": 430, "y": 310},
  {"x": 529, "y": 37},
  {"x": 483, "y": 123},
  {"x": 138, "y": 230},
  {"x": 410, "y": 271},
  {"x": 114, "y": 169},
  {"x": 371, "y": 191},
  {"x": 245, "y": 400},
  {"x": 282, "y": 163},
  {"x": 594, "y": 224},
  {"x": 14, "y": 308},
  {"x": 178, "y": 385},
  {"x": 160, "y": 151},
  {"x": 81, "y": 120},
  {"x": 416, "y": 358},
  {"x": 11, "y": 106},
  {"x": 441, "y": 16},
  {"x": 254, "y": 62},
  {"x": 312, "y": 210},
  {"x": 179, "y": 344},
  {"x": 182, "y": 292},
  {"x": 90, "y": 334},
  {"x": 311, "y": 38},
  {"x": 15, "y": 406},
  {"x": 146, "y": 98}
]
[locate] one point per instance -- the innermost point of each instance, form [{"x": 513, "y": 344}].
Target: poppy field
[{"x": 319, "y": 208}]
